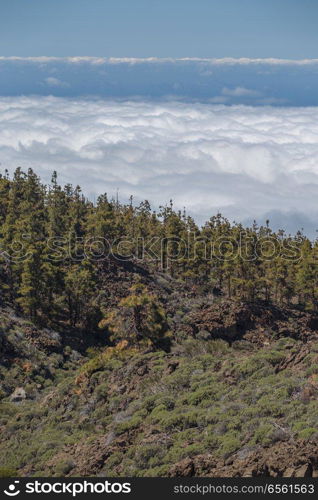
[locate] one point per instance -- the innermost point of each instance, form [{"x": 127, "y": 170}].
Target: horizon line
[{"x": 144, "y": 60}]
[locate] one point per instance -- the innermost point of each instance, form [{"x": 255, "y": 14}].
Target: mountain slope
[{"x": 235, "y": 395}]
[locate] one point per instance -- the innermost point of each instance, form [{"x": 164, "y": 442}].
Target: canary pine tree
[{"x": 138, "y": 319}]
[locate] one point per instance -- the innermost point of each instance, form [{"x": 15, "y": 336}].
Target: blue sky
[
  {"x": 256, "y": 82},
  {"x": 161, "y": 28}
]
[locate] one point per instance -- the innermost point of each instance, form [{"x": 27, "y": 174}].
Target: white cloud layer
[
  {"x": 157, "y": 60},
  {"x": 244, "y": 161}
]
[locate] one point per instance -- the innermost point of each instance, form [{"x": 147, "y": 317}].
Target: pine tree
[{"x": 139, "y": 319}]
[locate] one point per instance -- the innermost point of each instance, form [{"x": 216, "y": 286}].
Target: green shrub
[
  {"x": 7, "y": 472},
  {"x": 64, "y": 467},
  {"x": 229, "y": 443},
  {"x": 102, "y": 391},
  {"x": 130, "y": 424},
  {"x": 307, "y": 433},
  {"x": 149, "y": 454},
  {"x": 312, "y": 370},
  {"x": 263, "y": 435}
]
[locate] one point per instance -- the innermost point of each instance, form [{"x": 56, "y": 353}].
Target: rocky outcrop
[
  {"x": 45, "y": 340},
  {"x": 18, "y": 395},
  {"x": 259, "y": 323},
  {"x": 284, "y": 459}
]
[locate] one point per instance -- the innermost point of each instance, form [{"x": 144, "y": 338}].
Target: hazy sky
[{"x": 162, "y": 28}]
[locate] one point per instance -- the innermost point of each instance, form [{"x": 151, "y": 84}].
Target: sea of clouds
[{"x": 246, "y": 162}]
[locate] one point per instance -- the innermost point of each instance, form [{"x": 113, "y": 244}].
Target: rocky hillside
[{"x": 235, "y": 394}]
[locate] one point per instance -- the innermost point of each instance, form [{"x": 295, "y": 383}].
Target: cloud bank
[
  {"x": 159, "y": 60},
  {"x": 249, "y": 163}
]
